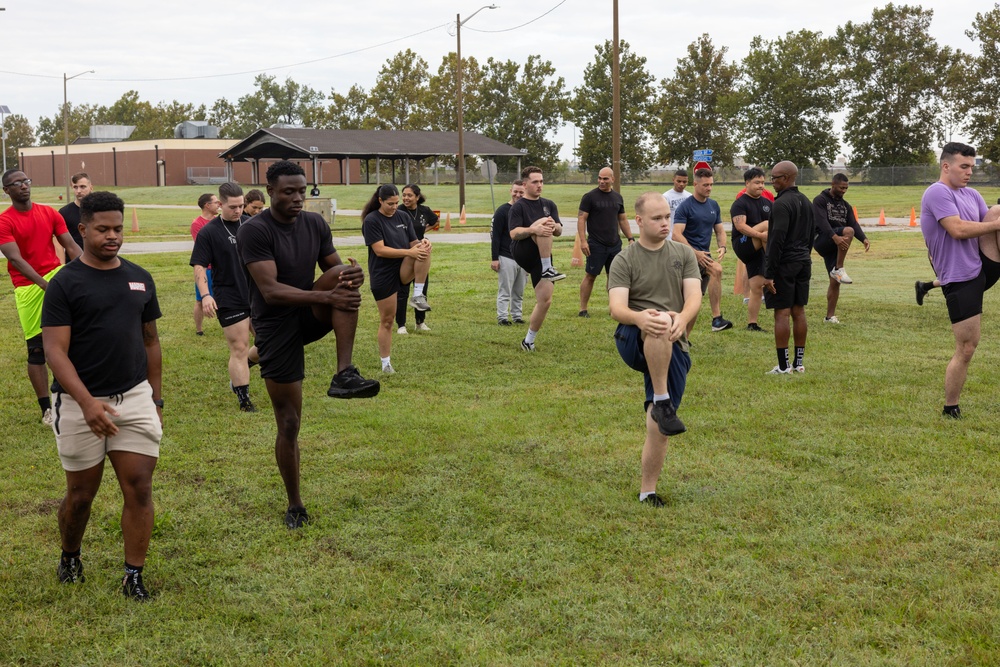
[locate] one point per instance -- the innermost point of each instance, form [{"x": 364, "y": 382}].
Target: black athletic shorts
[
  {"x": 792, "y": 286},
  {"x": 827, "y": 249},
  {"x": 230, "y": 316},
  {"x": 753, "y": 258},
  {"x": 281, "y": 344},
  {"x": 525, "y": 253},
  {"x": 601, "y": 256},
  {"x": 965, "y": 299}
]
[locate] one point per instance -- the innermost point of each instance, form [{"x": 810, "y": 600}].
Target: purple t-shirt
[{"x": 954, "y": 260}]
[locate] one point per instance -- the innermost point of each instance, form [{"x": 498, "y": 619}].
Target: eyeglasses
[
  {"x": 18, "y": 184},
  {"x": 778, "y": 177}
]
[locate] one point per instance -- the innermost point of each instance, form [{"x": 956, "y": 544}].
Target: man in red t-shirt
[
  {"x": 26, "y": 232},
  {"x": 209, "y": 205}
]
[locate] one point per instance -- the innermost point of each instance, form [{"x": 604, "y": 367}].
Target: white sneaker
[
  {"x": 777, "y": 371},
  {"x": 423, "y": 327},
  {"x": 47, "y": 417},
  {"x": 799, "y": 369},
  {"x": 841, "y": 276},
  {"x": 746, "y": 301},
  {"x": 388, "y": 369},
  {"x": 402, "y": 331},
  {"x": 831, "y": 320}
]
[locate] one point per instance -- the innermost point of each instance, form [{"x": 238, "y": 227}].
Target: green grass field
[{"x": 482, "y": 509}]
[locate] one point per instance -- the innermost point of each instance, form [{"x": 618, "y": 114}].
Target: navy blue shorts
[
  {"x": 628, "y": 339},
  {"x": 601, "y": 256}
]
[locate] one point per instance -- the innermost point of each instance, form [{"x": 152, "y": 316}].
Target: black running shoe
[
  {"x": 921, "y": 292},
  {"x": 248, "y": 407},
  {"x": 954, "y": 413},
  {"x": 70, "y": 571},
  {"x": 296, "y": 517},
  {"x": 721, "y": 324},
  {"x": 753, "y": 326},
  {"x": 348, "y": 383},
  {"x": 552, "y": 274},
  {"x": 133, "y": 589},
  {"x": 666, "y": 418},
  {"x": 653, "y": 500},
  {"x": 518, "y": 320},
  {"x": 504, "y": 323},
  {"x": 583, "y": 313}
]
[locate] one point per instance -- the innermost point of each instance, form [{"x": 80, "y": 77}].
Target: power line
[{"x": 523, "y": 24}]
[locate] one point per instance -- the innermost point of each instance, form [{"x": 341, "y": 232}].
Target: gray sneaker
[{"x": 420, "y": 303}]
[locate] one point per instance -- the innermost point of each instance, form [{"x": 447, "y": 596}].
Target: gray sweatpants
[{"x": 510, "y": 289}]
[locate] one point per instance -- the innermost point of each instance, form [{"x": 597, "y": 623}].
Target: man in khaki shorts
[{"x": 99, "y": 331}]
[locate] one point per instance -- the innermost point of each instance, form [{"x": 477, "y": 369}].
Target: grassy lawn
[{"x": 482, "y": 509}]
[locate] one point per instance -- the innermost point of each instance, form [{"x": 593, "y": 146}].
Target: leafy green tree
[
  {"x": 522, "y": 107},
  {"x": 352, "y": 111},
  {"x": 894, "y": 71},
  {"x": 591, "y": 111},
  {"x": 18, "y": 133},
  {"x": 978, "y": 97},
  {"x": 439, "y": 109},
  {"x": 81, "y": 117},
  {"x": 697, "y": 107},
  {"x": 788, "y": 89},
  {"x": 399, "y": 93},
  {"x": 272, "y": 103}
]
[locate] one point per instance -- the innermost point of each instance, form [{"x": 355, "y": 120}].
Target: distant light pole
[
  {"x": 4, "y": 109},
  {"x": 66, "y": 125},
  {"x": 458, "y": 79}
]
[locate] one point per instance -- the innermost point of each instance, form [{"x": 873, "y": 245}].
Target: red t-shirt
[
  {"x": 766, "y": 194},
  {"x": 32, "y": 231},
  {"x": 196, "y": 226}
]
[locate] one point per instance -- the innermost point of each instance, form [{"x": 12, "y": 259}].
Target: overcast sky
[{"x": 142, "y": 46}]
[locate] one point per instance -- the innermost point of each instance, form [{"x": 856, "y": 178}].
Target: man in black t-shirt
[
  {"x": 510, "y": 276},
  {"x": 533, "y": 222},
  {"x": 602, "y": 214},
  {"x": 750, "y": 214},
  {"x": 215, "y": 246},
  {"x": 836, "y": 228},
  {"x": 281, "y": 248},
  {"x": 99, "y": 330},
  {"x": 71, "y": 211}
]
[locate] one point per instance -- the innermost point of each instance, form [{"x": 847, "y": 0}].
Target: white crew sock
[{"x": 418, "y": 289}]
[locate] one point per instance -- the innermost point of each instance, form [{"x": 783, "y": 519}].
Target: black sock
[
  {"x": 782, "y": 358},
  {"x": 243, "y": 393},
  {"x": 927, "y": 286},
  {"x": 67, "y": 555},
  {"x": 800, "y": 353},
  {"x": 45, "y": 403},
  {"x": 133, "y": 569}
]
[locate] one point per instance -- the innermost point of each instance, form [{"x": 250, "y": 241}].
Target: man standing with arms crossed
[
  {"x": 209, "y": 205},
  {"x": 836, "y": 228},
  {"x": 788, "y": 265},
  {"x": 215, "y": 246},
  {"x": 602, "y": 214},
  {"x": 100, "y": 336},
  {"x": 654, "y": 290},
  {"x": 281, "y": 247},
  {"x": 694, "y": 221},
  {"x": 962, "y": 240},
  {"x": 510, "y": 276},
  {"x": 534, "y": 221},
  {"x": 26, "y": 231},
  {"x": 71, "y": 211}
]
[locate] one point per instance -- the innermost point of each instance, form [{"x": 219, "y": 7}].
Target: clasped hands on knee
[{"x": 656, "y": 324}]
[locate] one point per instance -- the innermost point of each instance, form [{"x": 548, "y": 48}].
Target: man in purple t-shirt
[{"x": 962, "y": 240}]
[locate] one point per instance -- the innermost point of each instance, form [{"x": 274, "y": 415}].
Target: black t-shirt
[
  {"x": 395, "y": 232},
  {"x": 105, "y": 310},
  {"x": 295, "y": 249},
  {"x": 422, "y": 219},
  {"x": 603, "y": 209},
  {"x": 525, "y": 211},
  {"x": 500, "y": 233},
  {"x": 756, "y": 211},
  {"x": 215, "y": 246},
  {"x": 71, "y": 214}
]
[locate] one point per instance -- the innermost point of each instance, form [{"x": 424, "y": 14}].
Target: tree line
[{"x": 900, "y": 90}]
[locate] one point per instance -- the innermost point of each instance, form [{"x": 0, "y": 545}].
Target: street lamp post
[
  {"x": 458, "y": 79},
  {"x": 66, "y": 126},
  {"x": 4, "y": 109}
]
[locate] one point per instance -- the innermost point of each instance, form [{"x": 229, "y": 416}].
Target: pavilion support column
[
  {"x": 378, "y": 172},
  {"x": 435, "y": 170}
]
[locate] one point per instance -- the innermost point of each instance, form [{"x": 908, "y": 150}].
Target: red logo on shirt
[{"x": 137, "y": 287}]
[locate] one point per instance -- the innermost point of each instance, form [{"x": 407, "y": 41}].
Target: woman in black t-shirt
[
  {"x": 423, "y": 218},
  {"x": 395, "y": 258}
]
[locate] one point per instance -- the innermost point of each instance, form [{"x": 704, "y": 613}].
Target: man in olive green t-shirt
[{"x": 654, "y": 291}]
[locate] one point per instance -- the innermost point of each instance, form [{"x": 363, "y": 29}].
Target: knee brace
[{"x": 36, "y": 353}]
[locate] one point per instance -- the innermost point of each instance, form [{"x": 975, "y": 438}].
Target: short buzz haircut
[
  {"x": 640, "y": 203},
  {"x": 840, "y": 177},
  {"x": 752, "y": 173},
  {"x": 204, "y": 199},
  {"x": 954, "y": 148},
  {"x": 703, "y": 173},
  {"x": 518, "y": 183},
  {"x": 681, "y": 172},
  {"x": 529, "y": 170},
  {"x": 227, "y": 190},
  {"x": 283, "y": 168},
  {"x": 76, "y": 177},
  {"x": 9, "y": 172},
  {"x": 99, "y": 202},
  {"x": 254, "y": 195}
]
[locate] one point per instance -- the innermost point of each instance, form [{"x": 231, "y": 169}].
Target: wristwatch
[{"x": 158, "y": 402}]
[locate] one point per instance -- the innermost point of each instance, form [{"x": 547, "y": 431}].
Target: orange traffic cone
[
  {"x": 461, "y": 216},
  {"x": 913, "y": 217},
  {"x": 856, "y": 213},
  {"x": 447, "y": 222},
  {"x": 881, "y": 218},
  {"x": 577, "y": 253},
  {"x": 135, "y": 220}
]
